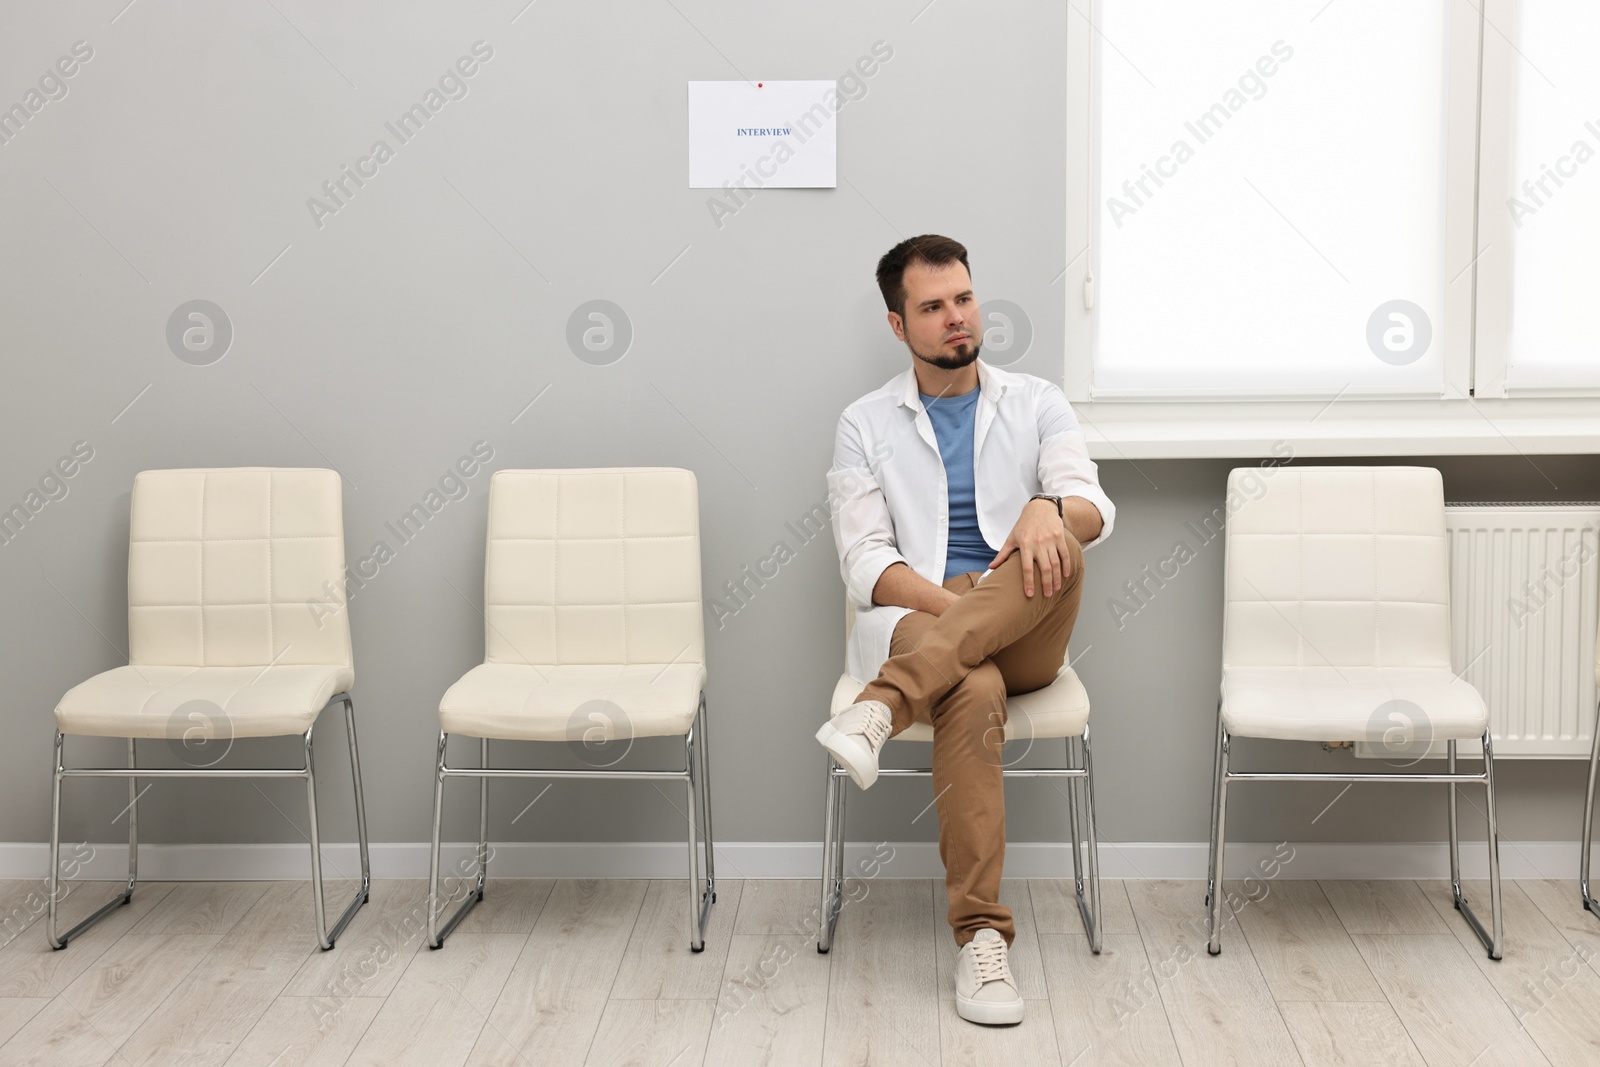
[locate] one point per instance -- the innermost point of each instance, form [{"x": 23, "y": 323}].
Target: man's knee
[
  {"x": 976, "y": 706},
  {"x": 984, "y": 684},
  {"x": 1074, "y": 547},
  {"x": 1072, "y": 566},
  {"x": 1075, "y": 554}
]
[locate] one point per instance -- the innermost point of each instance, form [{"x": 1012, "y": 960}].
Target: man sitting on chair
[{"x": 962, "y": 497}]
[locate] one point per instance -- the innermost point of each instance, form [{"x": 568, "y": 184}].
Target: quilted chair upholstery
[
  {"x": 1337, "y": 601},
  {"x": 591, "y": 590},
  {"x": 235, "y": 589}
]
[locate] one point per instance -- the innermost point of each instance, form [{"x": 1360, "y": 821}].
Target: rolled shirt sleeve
[
  {"x": 1065, "y": 468},
  {"x": 863, "y": 530}
]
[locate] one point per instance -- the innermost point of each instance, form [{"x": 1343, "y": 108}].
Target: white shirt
[{"x": 889, "y": 500}]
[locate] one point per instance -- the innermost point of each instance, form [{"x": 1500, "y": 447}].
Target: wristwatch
[{"x": 1053, "y": 499}]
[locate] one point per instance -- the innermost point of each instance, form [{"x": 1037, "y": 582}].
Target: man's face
[{"x": 942, "y": 324}]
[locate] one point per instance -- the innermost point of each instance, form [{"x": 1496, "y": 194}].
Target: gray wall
[{"x": 426, "y": 313}]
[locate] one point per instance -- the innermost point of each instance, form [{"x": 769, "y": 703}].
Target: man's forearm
[
  {"x": 903, "y": 587},
  {"x": 1083, "y": 519}
]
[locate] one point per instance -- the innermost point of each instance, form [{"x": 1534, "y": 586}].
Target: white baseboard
[{"x": 789, "y": 859}]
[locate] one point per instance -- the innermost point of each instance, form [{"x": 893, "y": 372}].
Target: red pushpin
[{"x": 758, "y": 85}]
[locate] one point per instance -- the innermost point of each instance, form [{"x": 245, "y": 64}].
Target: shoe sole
[
  {"x": 848, "y": 753},
  {"x": 988, "y": 1012}
]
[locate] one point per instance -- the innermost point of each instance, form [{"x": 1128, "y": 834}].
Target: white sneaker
[
  {"x": 985, "y": 991},
  {"x": 855, "y": 736}
]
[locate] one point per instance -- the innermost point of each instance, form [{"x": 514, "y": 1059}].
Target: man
[{"x": 962, "y": 497}]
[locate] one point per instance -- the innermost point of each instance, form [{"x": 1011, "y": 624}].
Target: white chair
[
  {"x": 1589, "y": 902},
  {"x": 1336, "y": 627},
  {"x": 1058, "y": 711},
  {"x": 236, "y": 628},
  {"x": 593, "y": 633}
]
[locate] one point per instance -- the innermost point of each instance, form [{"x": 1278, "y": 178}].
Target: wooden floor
[{"x": 597, "y": 972}]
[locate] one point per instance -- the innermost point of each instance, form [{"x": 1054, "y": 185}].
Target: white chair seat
[
  {"x": 1060, "y": 709},
  {"x": 527, "y": 703},
  {"x": 255, "y": 701},
  {"x": 1325, "y": 704}
]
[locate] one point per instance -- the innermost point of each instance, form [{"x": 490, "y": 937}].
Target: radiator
[{"x": 1524, "y": 601}]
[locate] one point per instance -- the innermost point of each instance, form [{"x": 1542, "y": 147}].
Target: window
[
  {"x": 1378, "y": 215},
  {"x": 1540, "y": 208},
  {"x": 1272, "y": 193}
]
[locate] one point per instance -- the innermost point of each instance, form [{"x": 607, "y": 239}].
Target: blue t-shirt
[{"x": 954, "y": 421}]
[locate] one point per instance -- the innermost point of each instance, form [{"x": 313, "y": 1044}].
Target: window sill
[{"x": 1319, "y": 428}]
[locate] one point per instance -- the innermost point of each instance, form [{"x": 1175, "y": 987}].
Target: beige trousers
[{"x": 955, "y": 671}]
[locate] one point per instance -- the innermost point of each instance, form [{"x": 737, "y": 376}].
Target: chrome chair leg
[
  {"x": 434, "y": 940},
  {"x": 829, "y": 905},
  {"x": 316, "y": 848},
  {"x": 483, "y": 819},
  {"x": 1216, "y": 778},
  {"x": 705, "y": 801},
  {"x": 697, "y": 937},
  {"x": 1589, "y": 902},
  {"x": 1091, "y": 915},
  {"x": 838, "y": 844},
  {"x": 361, "y": 802},
  {"x": 1496, "y": 950},
  {"x": 1454, "y": 831},
  {"x": 1074, "y": 826},
  {"x": 437, "y": 934},
  {"x": 133, "y": 824},
  {"x": 1493, "y": 940},
  {"x": 1219, "y": 821},
  {"x": 55, "y": 848},
  {"x": 326, "y": 937},
  {"x": 697, "y": 795},
  {"x": 61, "y": 941}
]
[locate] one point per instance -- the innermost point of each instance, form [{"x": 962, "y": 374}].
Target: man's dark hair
[{"x": 929, "y": 248}]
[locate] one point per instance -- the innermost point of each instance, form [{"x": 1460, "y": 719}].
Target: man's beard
[{"x": 965, "y": 356}]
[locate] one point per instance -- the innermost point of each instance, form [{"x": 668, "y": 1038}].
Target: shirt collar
[{"x": 989, "y": 386}]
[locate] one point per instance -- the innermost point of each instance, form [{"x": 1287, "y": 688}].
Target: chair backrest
[
  {"x": 237, "y": 567},
  {"x": 1341, "y": 566},
  {"x": 593, "y": 566}
]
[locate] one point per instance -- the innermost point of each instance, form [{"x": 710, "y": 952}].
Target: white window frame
[
  {"x": 1495, "y": 228},
  {"x": 1456, "y": 422}
]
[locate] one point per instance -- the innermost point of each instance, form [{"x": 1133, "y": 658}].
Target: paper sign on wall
[{"x": 766, "y": 133}]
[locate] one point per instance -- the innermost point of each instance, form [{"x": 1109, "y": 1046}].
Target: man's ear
[{"x": 897, "y": 324}]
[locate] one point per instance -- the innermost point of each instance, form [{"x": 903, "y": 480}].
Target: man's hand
[{"x": 1041, "y": 538}]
